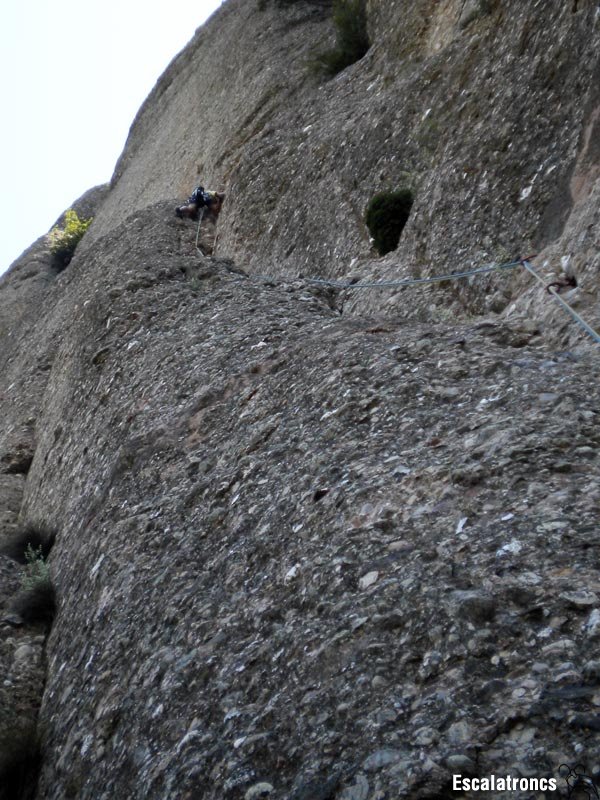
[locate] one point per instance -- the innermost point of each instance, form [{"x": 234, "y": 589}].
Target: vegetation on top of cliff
[
  {"x": 386, "y": 216},
  {"x": 63, "y": 241},
  {"x": 352, "y": 38}
]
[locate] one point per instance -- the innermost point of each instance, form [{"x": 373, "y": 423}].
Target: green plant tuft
[
  {"x": 63, "y": 241},
  {"x": 387, "y": 214},
  {"x": 352, "y": 38},
  {"x": 32, "y": 537},
  {"x": 36, "y": 570},
  {"x": 36, "y": 602}
]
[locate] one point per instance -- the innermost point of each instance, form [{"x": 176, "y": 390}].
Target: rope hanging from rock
[
  {"x": 417, "y": 281},
  {"x": 552, "y": 290},
  {"x": 198, "y": 231},
  {"x": 524, "y": 262}
]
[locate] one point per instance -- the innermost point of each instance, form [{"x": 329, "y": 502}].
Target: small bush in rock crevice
[
  {"x": 37, "y": 571},
  {"x": 30, "y": 537},
  {"x": 352, "y": 38},
  {"x": 36, "y": 602},
  {"x": 387, "y": 214},
  {"x": 63, "y": 241}
]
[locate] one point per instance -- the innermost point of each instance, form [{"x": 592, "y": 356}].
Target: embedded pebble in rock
[
  {"x": 379, "y": 682},
  {"x": 368, "y": 580},
  {"x": 581, "y": 599},
  {"x": 292, "y": 573},
  {"x": 461, "y": 764},
  {"x": 512, "y": 547},
  {"x": 472, "y": 605},
  {"x": 258, "y": 790},
  {"x": 460, "y": 733},
  {"x": 559, "y": 647},
  {"x": 425, "y": 737},
  {"x": 592, "y": 626},
  {"x": 358, "y": 791},
  {"x": 25, "y": 654},
  {"x": 381, "y": 758},
  {"x": 591, "y": 670}
]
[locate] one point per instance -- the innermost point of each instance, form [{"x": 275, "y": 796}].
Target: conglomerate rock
[
  {"x": 308, "y": 549},
  {"x": 494, "y": 124}
]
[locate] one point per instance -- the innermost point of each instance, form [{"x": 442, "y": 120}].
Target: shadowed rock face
[{"x": 312, "y": 543}]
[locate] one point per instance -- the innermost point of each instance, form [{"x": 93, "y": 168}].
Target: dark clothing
[
  {"x": 199, "y": 197},
  {"x": 198, "y": 201}
]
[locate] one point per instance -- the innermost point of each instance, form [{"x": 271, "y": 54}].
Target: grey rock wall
[
  {"x": 487, "y": 110},
  {"x": 315, "y": 551}
]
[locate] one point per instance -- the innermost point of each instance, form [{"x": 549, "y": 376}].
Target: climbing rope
[
  {"x": 417, "y": 281},
  {"x": 198, "y": 230},
  {"x": 552, "y": 290},
  {"x": 465, "y": 274},
  {"x": 524, "y": 262}
]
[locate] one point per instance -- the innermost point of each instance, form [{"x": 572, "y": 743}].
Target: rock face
[
  {"x": 488, "y": 110},
  {"x": 318, "y": 544}
]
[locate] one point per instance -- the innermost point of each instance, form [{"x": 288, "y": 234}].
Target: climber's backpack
[{"x": 199, "y": 197}]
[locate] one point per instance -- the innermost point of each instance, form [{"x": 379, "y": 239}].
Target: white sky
[{"x": 73, "y": 74}]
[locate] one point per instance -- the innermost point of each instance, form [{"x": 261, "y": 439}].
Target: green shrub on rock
[
  {"x": 36, "y": 602},
  {"x": 27, "y": 539},
  {"x": 387, "y": 214},
  {"x": 63, "y": 241},
  {"x": 37, "y": 571},
  {"x": 352, "y": 38}
]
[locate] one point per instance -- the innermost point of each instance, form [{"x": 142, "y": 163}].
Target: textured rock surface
[
  {"x": 318, "y": 545},
  {"x": 308, "y": 549},
  {"x": 494, "y": 123}
]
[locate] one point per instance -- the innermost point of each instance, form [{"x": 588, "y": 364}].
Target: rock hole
[
  {"x": 319, "y": 495},
  {"x": 17, "y": 463},
  {"x": 386, "y": 217}
]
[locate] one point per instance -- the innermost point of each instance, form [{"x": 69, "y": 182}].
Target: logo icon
[{"x": 579, "y": 785}]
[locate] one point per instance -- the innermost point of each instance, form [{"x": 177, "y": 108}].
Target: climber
[{"x": 201, "y": 199}]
